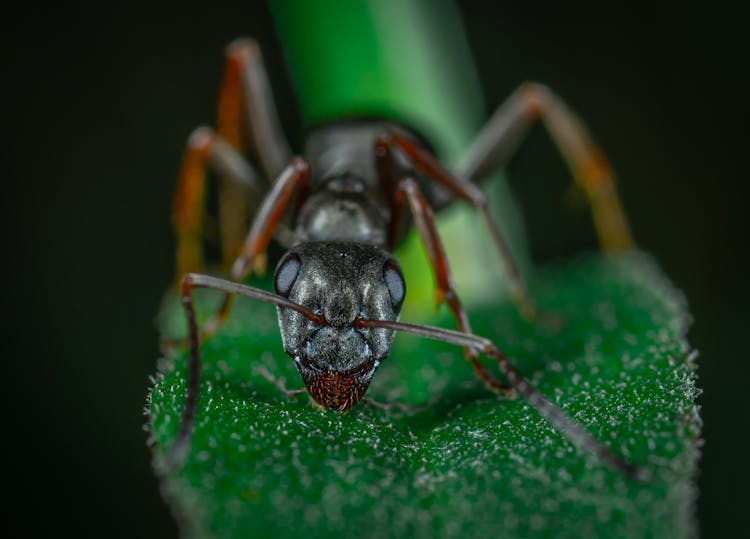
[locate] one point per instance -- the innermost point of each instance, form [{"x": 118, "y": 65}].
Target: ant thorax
[
  {"x": 346, "y": 149},
  {"x": 343, "y": 282},
  {"x": 342, "y": 211},
  {"x": 348, "y": 200}
]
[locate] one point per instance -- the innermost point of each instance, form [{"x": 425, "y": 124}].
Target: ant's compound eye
[
  {"x": 286, "y": 274},
  {"x": 394, "y": 282}
]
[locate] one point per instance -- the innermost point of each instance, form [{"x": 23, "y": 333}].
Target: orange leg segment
[
  {"x": 591, "y": 171},
  {"x": 205, "y": 148}
]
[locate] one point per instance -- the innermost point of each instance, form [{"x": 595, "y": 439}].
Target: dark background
[{"x": 101, "y": 103}]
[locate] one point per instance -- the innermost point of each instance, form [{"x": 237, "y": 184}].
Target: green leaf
[{"x": 473, "y": 465}]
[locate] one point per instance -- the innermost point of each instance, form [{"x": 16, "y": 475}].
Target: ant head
[{"x": 343, "y": 283}]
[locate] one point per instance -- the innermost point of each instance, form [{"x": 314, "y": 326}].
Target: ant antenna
[
  {"x": 571, "y": 429},
  {"x": 180, "y": 447}
]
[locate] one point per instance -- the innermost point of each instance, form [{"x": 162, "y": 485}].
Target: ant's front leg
[
  {"x": 280, "y": 383},
  {"x": 426, "y": 164},
  {"x": 407, "y": 194},
  {"x": 293, "y": 179}
]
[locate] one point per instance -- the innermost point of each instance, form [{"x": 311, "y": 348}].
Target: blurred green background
[{"x": 101, "y": 103}]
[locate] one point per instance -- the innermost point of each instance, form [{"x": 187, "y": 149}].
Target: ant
[{"x": 338, "y": 288}]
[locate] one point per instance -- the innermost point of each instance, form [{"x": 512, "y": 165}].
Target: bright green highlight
[
  {"x": 407, "y": 60},
  {"x": 473, "y": 465}
]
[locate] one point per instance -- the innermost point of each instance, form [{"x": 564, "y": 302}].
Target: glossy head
[{"x": 342, "y": 282}]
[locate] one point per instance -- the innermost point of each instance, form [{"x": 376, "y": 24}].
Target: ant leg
[
  {"x": 246, "y": 82},
  {"x": 430, "y": 167},
  {"x": 279, "y": 383},
  {"x": 498, "y": 140},
  {"x": 425, "y": 221},
  {"x": 246, "y": 117},
  {"x": 205, "y": 148},
  {"x": 293, "y": 178},
  {"x": 407, "y": 191}
]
